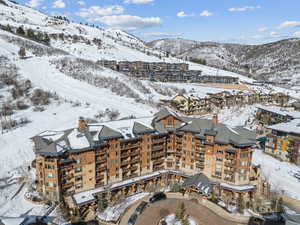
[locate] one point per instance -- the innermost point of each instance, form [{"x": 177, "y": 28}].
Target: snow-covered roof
[
  {"x": 280, "y": 111},
  {"x": 88, "y": 196},
  {"x": 78, "y": 140},
  {"x": 238, "y": 187},
  {"x": 123, "y": 127},
  {"x": 292, "y": 126},
  {"x": 52, "y": 135}
]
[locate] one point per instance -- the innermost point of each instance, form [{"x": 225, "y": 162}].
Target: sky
[{"x": 235, "y": 21}]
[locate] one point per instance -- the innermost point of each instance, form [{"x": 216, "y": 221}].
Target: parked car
[
  {"x": 157, "y": 197},
  {"x": 141, "y": 207},
  {"x": 132, "y": 219}
]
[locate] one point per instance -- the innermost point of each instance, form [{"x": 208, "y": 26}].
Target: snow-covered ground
[
  {"x": 171, "y": 220},
  {"x": 113, "y": 213},
  {"x": 278, "y": 174},
  {"x": 16, "y": 149}
]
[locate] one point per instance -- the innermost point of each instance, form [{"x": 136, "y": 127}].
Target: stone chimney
[
  {"x": 82, "y": 124},
  {"x": 215, "y": 119}
]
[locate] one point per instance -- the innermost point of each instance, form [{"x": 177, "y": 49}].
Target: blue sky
[{"x": 241, "y": 21}]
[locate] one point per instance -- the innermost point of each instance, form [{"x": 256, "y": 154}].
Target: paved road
[{"x": 201, "y": 214}]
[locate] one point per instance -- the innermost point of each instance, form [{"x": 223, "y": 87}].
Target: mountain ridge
[{"x": 269, "y": 61}]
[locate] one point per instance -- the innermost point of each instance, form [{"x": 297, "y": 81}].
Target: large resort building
[
  {"x": 165, "y": 72},
  {"x": 84, "y": 161}
]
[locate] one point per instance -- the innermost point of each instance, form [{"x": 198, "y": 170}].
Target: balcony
[
  {"x": 136, "y": 160},
  {"x": 158, "y": 141},
  {"x": 134, "y": 153},
  {"x": 101, "y": 169},
  {"x": 125, "y": 162},
  {"x": 133, "y": 168},
  {"x": 101, "y": 153},
  {"x": 157, "y": 147},
  {"x": 158, "y": 155},
  {"x": 125, "y": 155},
  {"x": 157, "y": 162},
  {"x": 129, "y": 146},
  {"x": 68, "y": 185},
  {"x": 99, "y": 176},
  {"x": 125, "y": 169},
  {"x": 230, "y": 172},
  {"x": 130, "y": 176},
  {"x": 156, "y": 168},
  {"x": 230, "y": 156},
  {"x": 102, "y": 160},
  {"x": 230, "y": 163}
]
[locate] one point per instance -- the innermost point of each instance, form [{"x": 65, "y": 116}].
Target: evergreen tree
[
  {"x": 20, "y": 31},
  {"x": 22, "y": 52},
  {"x": 180, "y": 213},
  {"x": 102, "y": 204},
  {"x": 30, "y": 34},
  {"x": 46, "y": 39}
]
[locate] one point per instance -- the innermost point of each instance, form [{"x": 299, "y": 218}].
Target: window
[
  {"x": 78, "y": 186},
  {"x": 243, "y": 163},
  {"x": 242, "y": 170},
  {"x": 50, "y": 175},
  {"x": 219, "y": 159},
  {"x": 243, "y": 155},
  {"x": 218, "y": 174},
  {"x": 242, "y": 178},
  {"x": 78, "y": 161},
  {"x": 78, "y": 178},
  {"x": 170, "y": 122},
  {"x": 78, "y": 169},
  {"x": 218, "y": 167},
  {"x": 50, "y": 184}
]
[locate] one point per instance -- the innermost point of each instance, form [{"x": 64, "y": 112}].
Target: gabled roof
[
  {"x": 201, "y": 182},
  {"x": 108, "y": 133},
  {"x": 139, "y": 128},
  {"x": 163, "y": 113}
]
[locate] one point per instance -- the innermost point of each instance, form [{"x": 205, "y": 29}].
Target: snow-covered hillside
[
  {"x": 68, "y": 68},
  {"x": 278, "y": 61}
]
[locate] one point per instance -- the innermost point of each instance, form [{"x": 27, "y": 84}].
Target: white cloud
[
  {"x": 81, "y": 3},
  {"x": 262, "y": 29},
  {"x": 161, "y": 34},
  {"x": 34, "y": 3},
  {"x": 297, "y": 34},
  {"x": 289, "y": 24},
  {"x": 138, "y": 1},
  {"x": 245, "y": 8},
  {"x": 59, "y": 4},
  {"x": 94, "y": 12},
  {"x": 206, "y": 13},
  {"x": 128, "y": 22},
  {"x": 182, "y": 14}
]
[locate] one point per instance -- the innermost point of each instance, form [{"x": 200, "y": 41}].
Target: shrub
[{"x": 40, "y": 97}]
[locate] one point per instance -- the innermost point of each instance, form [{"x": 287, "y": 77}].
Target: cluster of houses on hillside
[
  {"x": 165, "y": 72},
  {"x": 281, "y": 128},
  {"x": 191, "y": 105}
]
